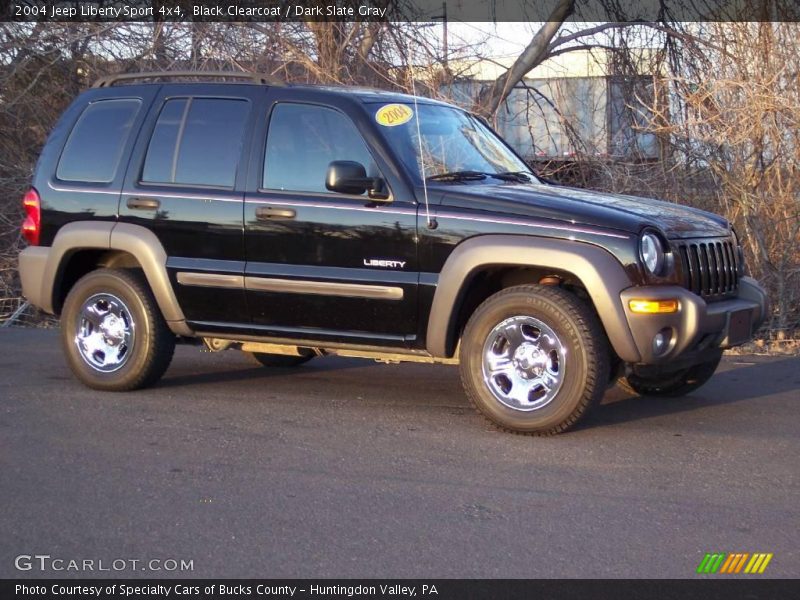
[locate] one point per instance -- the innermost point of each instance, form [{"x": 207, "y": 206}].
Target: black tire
[
  {"x": 280, "y": 360},
  {"x": 150, "y": 351},
  {"x": 583, "y": 374},
  {"x": 672, "y": 385}
]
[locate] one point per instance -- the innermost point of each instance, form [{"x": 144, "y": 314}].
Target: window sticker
[{"x": 392, "y": 115}]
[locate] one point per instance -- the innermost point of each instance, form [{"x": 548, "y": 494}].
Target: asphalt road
[{"x": 347, "y": 468}]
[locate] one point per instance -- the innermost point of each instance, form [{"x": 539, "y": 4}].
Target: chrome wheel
[
  {"x": 523, "y": 363},
  {"x": 105, "y": 333}
]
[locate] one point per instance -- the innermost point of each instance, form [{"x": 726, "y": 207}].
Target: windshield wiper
[
  {"x": 517, "y": 176},
  {"x": 458, "y": 176}
]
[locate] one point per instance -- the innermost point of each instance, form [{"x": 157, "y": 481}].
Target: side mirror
[{"x": 350, "y": 177}]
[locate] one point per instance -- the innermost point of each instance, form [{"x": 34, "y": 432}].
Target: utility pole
[
  {"x": 445, "y": 49},
  {"x": 444, "y": 34}
]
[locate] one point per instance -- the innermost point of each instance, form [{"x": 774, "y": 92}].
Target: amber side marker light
[{"x": 649, "y": 307}]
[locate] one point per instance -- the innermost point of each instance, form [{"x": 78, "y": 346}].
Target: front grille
[{"x": 709, "y": 268}]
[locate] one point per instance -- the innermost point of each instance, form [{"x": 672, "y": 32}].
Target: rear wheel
[
  {"x": 675, "y": 384},
  {"x": 280, "y": 360},
  {"x": 112, "y": 331},
  {"x": 534, "y": 359}
]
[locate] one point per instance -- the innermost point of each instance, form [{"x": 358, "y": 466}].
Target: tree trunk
[{"x": 492, "y": 96}]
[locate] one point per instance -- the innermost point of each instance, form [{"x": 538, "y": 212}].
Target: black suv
[{"x": 293, "y": 222}]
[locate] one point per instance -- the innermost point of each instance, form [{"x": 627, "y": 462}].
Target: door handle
[
  {"x": 143, "y": 203},
  {"x": 268, "y": 213}
]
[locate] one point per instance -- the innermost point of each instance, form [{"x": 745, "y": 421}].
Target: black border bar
[
  {"x": 387, "y": 589},
  {"x": 395, "y": 10}
]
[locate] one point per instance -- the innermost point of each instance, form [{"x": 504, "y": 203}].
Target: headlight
[{"x": 652, "y": 252}]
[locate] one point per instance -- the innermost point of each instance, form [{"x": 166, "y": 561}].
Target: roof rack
[{"x": 110, "y": 80}]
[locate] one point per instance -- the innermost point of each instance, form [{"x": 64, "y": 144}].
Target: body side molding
[
  {"x": 323, "y": 288},
  {"x": 601, "y": 273}
]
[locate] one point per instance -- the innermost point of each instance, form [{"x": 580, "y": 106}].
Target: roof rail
[{"x": 110, "y": 80}]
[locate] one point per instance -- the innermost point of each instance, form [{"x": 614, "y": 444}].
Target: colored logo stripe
[
  {"x": 758, "y": 563},
  {"x": 721, "y": 562},
  {"x": 711, "y": 563},
  {"x": 734, "y": 563}
]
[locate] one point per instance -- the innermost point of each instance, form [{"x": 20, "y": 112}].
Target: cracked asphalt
[{"x": 347, "y": 468}]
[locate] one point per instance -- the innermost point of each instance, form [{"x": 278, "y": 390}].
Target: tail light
[{"x": 32, "y": 225}]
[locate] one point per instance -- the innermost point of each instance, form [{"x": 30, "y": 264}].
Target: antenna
[{"x": 431, "y": 223}]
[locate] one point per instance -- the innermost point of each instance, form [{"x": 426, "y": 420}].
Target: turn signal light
[{"x": 649, "y": 307}]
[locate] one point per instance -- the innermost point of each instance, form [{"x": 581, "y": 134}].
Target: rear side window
[
  {"x": 196, "y": 141},
  {"x": 94, "y": 147}
]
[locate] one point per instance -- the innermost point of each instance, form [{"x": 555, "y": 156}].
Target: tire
[
  {"x": 113, "y": 333},
  {"x": 538, "y": 335},
  {"x": 674, "y": 384},
  {"x": 280, "y": 360}
]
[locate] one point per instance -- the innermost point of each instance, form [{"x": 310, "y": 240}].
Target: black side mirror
[{"x": 350, "y": 177}]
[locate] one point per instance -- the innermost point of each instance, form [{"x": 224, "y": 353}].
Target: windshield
[{"x": 453, "y": 141}]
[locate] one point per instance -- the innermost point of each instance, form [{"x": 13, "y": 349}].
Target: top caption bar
[{"x": 396, "y": 10}]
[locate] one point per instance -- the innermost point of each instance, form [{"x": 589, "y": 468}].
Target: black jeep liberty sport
[{"x": 295, "y": 221}]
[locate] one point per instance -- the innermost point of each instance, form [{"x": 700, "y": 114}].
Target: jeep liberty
[{"x": 293, "y": 222}]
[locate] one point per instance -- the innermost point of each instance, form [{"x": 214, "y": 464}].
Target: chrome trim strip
[
  {"x": 540, "y": 224},
  {"x": 150, "y": 192},
  {"x": 81, "y": 190},
  {"x": 323, "y": 288},
  {"x": 185, "y": 196},
  {"x": 215, "y": 280},
  {"x": 375, "y": 210},
  {"x": 367, "y": 276}
]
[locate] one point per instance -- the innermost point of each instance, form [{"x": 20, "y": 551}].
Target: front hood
[{"x": 613, "y": 211}]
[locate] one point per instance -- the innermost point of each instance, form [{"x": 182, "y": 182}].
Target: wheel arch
[
  {"x": 81, "y": 244},
  {"x": 597, "y": 271}
]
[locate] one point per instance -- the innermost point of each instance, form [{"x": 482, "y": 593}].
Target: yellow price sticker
[{"x": 392, "y": 115}]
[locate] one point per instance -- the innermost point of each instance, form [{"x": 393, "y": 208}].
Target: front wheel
[
  {"x": 672, "y": 385},
  {"x": 534, "y": 359},
  {"x": 113, "y": 333}
]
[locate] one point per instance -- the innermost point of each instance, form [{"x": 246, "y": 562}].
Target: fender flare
[
  {"x": 599, "y": 271},
  {"x": 138, "y": 241}
]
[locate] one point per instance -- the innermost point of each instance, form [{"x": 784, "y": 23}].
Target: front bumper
[{"x": 697, "y": 326}]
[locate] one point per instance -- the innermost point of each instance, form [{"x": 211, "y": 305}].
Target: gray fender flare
[
  {"x": 599, "y": 271},
  {"x": 138, "y": 241}
]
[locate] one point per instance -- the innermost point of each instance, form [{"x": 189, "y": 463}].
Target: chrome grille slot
[{"x": 708, "y": 268}]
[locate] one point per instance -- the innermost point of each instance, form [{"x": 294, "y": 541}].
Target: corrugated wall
[{"x": 556, "y": 118}]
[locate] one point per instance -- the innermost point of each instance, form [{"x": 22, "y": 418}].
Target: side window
[
  {"x": 303, "y": 140},
  {"x": 94, "y": 148},
  {"x": 196, "y": 141}
]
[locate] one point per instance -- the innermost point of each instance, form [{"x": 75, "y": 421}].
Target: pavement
[{"x": 347, "y": 468}]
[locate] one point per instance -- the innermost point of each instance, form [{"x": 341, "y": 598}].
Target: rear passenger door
[{"x": 185, "y": 183}]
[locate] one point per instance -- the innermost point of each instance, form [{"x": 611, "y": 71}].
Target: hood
[{"x": 613, "y": 211}]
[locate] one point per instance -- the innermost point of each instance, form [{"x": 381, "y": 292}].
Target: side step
[{"x": 382, "y": 355}]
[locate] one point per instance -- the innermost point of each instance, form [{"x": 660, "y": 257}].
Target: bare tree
[{"x": 736, "y": 115}]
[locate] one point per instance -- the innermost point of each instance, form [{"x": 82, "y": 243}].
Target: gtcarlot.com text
[{"x": 48, "y": 563}]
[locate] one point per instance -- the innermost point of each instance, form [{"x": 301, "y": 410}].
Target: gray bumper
[
  {"x": 698, "y": 326},
  {"x": 32, "y": 266}
]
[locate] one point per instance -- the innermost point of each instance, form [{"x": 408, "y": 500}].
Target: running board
[{"x": 378, "y": 354}]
